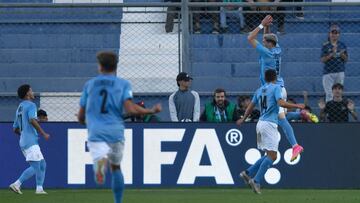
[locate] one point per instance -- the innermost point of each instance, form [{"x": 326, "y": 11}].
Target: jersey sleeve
[
  {"x": 16, "y": 123},
  {"x": 32, "y": 112},
  {"x": 277, "y": 92},
  {"x": 127, "y": 94},
  {"x": 84, "y": 96},
  {"x": 254, "y": 100},
  {"x": 262, "y": 50}
]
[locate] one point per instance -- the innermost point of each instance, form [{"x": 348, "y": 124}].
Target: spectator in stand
[
  {"x": 279, "y": 15},
  {"x": 184, "y": 104},
  {"x": 334, "y": 56},
  {"x": 144, "y": 118},
  {"x": 213, "y": 15},
  {"x": 243, "y": 103},
  {"x": 231, "y": 11},
  {"x": 42, "y": 116},
  {"x": 251, "y": 20},
  {"x": 338, "y": 109},
  {"x": 219, "y": 110}
]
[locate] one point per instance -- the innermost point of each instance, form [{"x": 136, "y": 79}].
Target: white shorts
[
  {"x": 284, "y": 97},
  {"x": 268, "y": 136},
  {"x": 112, "y": 151},
  {"x": 33, "y": 153}
]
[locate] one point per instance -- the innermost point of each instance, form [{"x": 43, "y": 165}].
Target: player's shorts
[
  {"x": 268, "y": 136},
  {"x": 284, "y": 97},
  {"x": 112, "y": 151},
  {"x": 33, "y": 153}
]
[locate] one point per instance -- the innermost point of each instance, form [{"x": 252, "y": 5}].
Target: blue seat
[
  {"x": 352, "y": 84},
  {"x": 49, "y": 55},
  {"x": 204, "y": 41},
  {"x": 212, "y": 69},
  {"x": 46, "y": 70},
  {"x": 40, "y": 84},
  {"x": 242, "y": 84},
  {"x": 299, "y": 84}
]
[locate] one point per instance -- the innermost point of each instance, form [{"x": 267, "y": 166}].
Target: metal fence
[{"x": 207, "y": 40}]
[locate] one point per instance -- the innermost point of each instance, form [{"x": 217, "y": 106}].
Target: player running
[
  {"x": 101, "y": 107},
  {"x": 27, "y": 126},
  {"x": 268, "y": 97}
]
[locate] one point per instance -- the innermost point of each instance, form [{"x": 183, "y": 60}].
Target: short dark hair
[
  {"x": 291, "y": 100},
  {"x": 41, "y": 112},
  {"x": 337, "y": 85},
  {"x": 23, "y": 90},
  {"x": 270, "y": 75},
  {"x": 241, "y": 99},
  {"x": 308, "y": 108},
  {"x": 219, "y": 90},
  {"x": 108, "y": 60}
]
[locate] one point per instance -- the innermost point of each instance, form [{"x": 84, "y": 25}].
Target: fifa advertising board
[{"x": 192, "y": 154}]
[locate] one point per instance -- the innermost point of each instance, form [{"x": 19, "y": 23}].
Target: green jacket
[{"x": 210, "y": 116}]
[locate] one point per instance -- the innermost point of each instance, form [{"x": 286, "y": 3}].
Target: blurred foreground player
[{"x": 101, "y": 107}]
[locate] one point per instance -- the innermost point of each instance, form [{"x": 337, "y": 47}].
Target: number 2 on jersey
[{"x": 104, "y": 94}]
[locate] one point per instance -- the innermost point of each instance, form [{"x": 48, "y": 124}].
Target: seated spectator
[
  {"x": 279, "y": 15},
  {"x": 213, "y": 15},
  {"x": 299, "y": 10},
  {"x": 219, "y": 110},
  {"x": 236, "y": 11},
  {"x": 338, "y": 109},
  {"x": 184, "y": 104},
  {"x": 148, "y": 118},
  {"x": 42, "y": 116},
  {"x": 251, "y": 19},
  {"x": 243, "y": 103}
]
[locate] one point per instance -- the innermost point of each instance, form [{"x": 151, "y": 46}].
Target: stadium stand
[{"x": 54, "y": 51}]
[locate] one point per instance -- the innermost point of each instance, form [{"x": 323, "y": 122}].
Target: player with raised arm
[
  {"x": 101, "y": 108},
  {"x": 27, "y": 126},
  {"x": 270, "y": 58},
  {"x": 269, "y": 98}
]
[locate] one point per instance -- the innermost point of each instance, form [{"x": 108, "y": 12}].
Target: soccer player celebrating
[
  {"x": 101, "y": 108},
  {"x": 268, "y": 97},
  {"x": 27, "y": 126},
  {"x": 270, "y": 58}
]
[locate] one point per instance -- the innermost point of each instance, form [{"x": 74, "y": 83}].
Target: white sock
[
  {"x": 18, "y": 183},
  {"x": 39, "y": 188}
]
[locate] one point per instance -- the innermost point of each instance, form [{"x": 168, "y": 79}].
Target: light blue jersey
[
  {"x": 103, "y": 98},
  {"x": 266, "y": 97},
  {"x": 269, "y": 59},
  {"x": 28, "y": 135}
]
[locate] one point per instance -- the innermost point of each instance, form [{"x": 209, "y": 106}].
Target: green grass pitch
[{"x": 197, "y": 195}]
